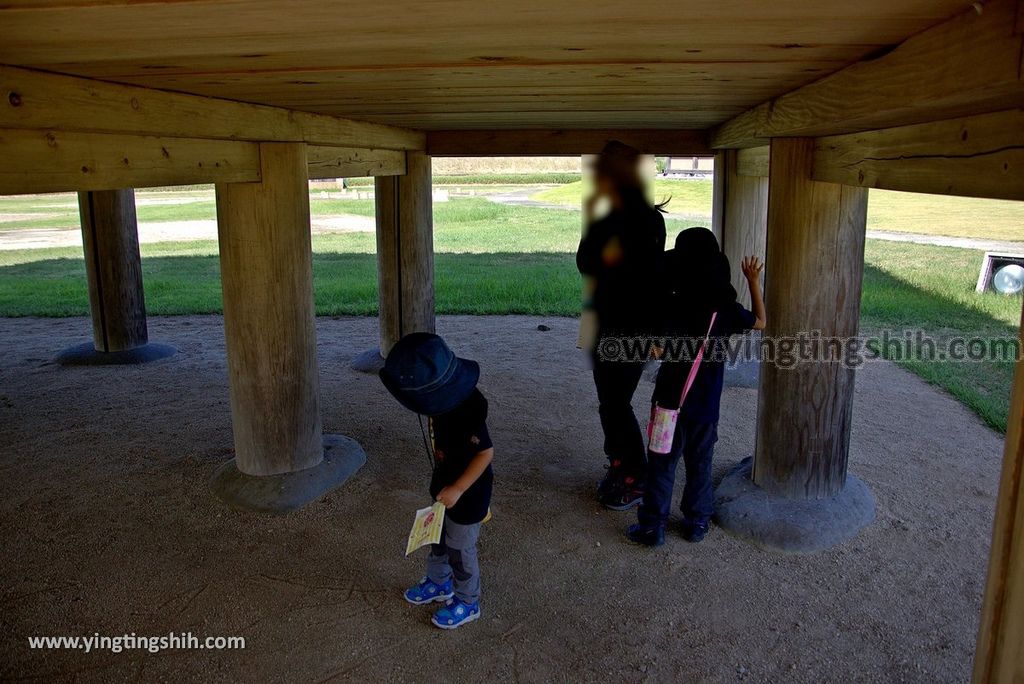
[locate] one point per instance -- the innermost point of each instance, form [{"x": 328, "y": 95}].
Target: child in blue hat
[{"x": 426, "y": 377}]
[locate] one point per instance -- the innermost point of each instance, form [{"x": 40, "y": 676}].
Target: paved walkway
[
  {"x": 167, "y": 231},
  {"x": 207, "y": 230},
  {"x": 945, "y": 241}
]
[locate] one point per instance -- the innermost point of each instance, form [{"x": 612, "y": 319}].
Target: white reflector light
[{"x": 1009, "y": 280}]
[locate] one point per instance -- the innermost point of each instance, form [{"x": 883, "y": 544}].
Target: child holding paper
[
  {"x": 702, "y": 312},
  {"x": 423, "y": 374}
]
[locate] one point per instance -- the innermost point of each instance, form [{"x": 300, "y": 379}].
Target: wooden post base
[
  {"x": 778, "y": 523},
  {"x": 285, "y": 492},
  {"x": 87, "y": 355},
  {"x": 370, "y": 361}
]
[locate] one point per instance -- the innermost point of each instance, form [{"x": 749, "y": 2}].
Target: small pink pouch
[{"x": 661, "y": 428}]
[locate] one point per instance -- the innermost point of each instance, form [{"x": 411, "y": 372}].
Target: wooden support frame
[
  {"x": 977, "y": 156},
  {"x": 46, "y": 101},
  {"x": 269, "y": 319},
  {"x": 815, "y": 257},
  {"x": 968, "y": 65},
  {"x": 113, "y": 268},
  {"x": 54, "y": 161},
  {"x": 998, "y": 656},
  {"x": 349, "y": 162},
  {"x": 752, "y": 161},
  {"x": 564, "y": 142},
  {"x": 405, "y": 252},
  {"x": 744, "y": 214}
]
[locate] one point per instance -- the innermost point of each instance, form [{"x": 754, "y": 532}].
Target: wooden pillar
[
  {"x": 113, "y": 266},
  {"x": 719, "y": 179},
  {"x": 815, "y": 260},
  {"x": 999, "y": 656},
  {"x": 269, "y": 323},
  {"x": 742, "y": 205},
  {"x": 405, "y": 251}
]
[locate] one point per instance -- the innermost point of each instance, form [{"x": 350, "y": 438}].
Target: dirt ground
[{"x": 108, "y": 526}]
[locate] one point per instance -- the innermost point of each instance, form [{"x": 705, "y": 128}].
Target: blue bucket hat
[{"x": 426, "y": 377}]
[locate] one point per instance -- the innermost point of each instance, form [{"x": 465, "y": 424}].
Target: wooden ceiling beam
[
  {"x": 45, "y": 101},
  {"x": 977, "y": 156},
  {"x": 58, "y": 161},
  {"x": 970, "y": 64},
  {"x": 562, "y": 142},
  {"x": 349, "y": 162}
]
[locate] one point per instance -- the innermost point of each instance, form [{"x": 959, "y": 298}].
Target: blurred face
[{"x": 604, "y": 185}]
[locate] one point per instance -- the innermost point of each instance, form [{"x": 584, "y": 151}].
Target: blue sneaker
[
  {"x": 647, "y": 536},
  {"x": 455, "y": 614},
  {"x": 694, "y": 531},
  {"x": 426, "y": 591}
]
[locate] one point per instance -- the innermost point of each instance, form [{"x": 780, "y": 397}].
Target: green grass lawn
[
  {"x": 496, "y": 259},
  {"x": 901, "y": 212}
]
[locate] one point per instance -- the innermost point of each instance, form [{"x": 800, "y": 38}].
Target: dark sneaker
[
  {"x": 611, "y": 482},
  {"x": 695, "y": 532},
  {"x": 648, "y": 536},
  {"x": 627, "y": 495}
]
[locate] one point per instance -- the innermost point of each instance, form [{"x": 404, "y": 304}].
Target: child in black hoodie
[{"x": 697, "y": 282}]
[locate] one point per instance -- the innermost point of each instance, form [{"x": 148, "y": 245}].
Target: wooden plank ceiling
[{"x": 459, "y": 64}]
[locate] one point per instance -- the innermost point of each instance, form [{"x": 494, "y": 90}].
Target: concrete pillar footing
[
  {"x": 369, "y": 361},
  {"x": 774, "y": 523},
  {"x": 286, "y": 492},
  {"x": 87, "y": 355}
]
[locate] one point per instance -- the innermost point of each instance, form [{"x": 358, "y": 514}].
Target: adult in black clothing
[{"x": 622, "y": 253}]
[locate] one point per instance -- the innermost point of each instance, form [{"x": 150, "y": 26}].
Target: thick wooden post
[
  {"x": 267, "y": 279},
  {"x": 405, "y": 251},
  {"x": 113, "y": 266},
  {"x": 719, "y": 179},
  {"x": 999, "y": 656},
  {"x": 743, "y": 218},
  {"x": 815, "y": 257}
]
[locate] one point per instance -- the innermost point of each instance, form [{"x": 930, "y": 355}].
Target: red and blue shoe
[
  {"x": 426, "y": 591},
  {"x": 455, "y": 614}
]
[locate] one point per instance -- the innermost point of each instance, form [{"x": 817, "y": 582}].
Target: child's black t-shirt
[
  {"x": 703, "y": 402},
  {"x": 458, "y": 436}
]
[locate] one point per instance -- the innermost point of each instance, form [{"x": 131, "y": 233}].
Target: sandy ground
[{"x": 108, "y": 526}]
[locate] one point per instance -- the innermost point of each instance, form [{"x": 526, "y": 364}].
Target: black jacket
[{"x": 626, "y": 291}]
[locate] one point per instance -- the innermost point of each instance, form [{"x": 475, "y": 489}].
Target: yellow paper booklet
[{"x": 426, "y": 529}]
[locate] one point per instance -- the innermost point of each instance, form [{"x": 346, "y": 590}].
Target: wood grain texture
[
  {"x": 752, "y": 161},
  {"x": 814, "y": 268},
  {"x": 55, "y": 161},
  {"x": 978, "y": 156},
  {"x": 968, "y": 65},
  {"x": 999, "y": 657},
  {"x": 38, "y": 100},
  {"x": 568, "y": 142},
  {"x": 718, "y": 190},
  {"x": 113, "y": 269},
  {"x": 745, "y": 217},
  {"x": 350, "y": 162},
  {"x": 405, "y": 252},
  {"x": 389, "y": 274},
  {"x": 459, "y": 64},
  {"x": 269, "y": 324}
]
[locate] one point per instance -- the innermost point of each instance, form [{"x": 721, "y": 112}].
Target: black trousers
[
  {"x": 695, "y": 443},
  {"x": 616, "y": 381}
]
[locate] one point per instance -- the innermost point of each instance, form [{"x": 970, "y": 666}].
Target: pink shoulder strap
[{"x": 696, "y": 362}]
